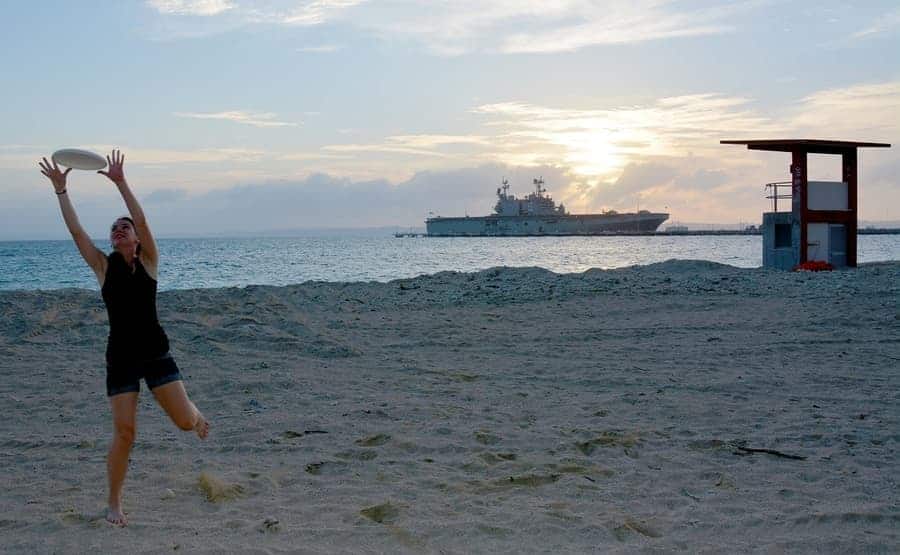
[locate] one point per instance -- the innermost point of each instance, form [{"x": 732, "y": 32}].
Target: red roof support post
[
  {"x": 799, "y": 205},
  {"x": 848, "y": 160}
]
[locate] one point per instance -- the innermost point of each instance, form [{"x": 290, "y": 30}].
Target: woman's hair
[{"x": 137, "y": 251}]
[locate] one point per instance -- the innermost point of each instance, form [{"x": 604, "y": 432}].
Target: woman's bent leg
[
  {"x": 124, "y": 411},
  {"x": 173, "y": 398}
]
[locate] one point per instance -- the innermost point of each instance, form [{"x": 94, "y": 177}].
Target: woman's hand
[
  {"x": 116, "y": 172},
  {"x": 58, "y": 178}
]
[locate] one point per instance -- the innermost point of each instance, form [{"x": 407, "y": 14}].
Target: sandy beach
[{"x": 678, "y": 406}]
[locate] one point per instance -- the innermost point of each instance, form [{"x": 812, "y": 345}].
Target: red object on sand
[{"x": 814, "y": 266}]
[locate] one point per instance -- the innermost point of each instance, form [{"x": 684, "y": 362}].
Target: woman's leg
[
  {"x": 174, "y": 400},
  {"x": 124, "y": 412}
]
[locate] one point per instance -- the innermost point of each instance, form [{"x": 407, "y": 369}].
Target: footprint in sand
[
  {"x": 495, "y": 531},
  {"x": 218, "y": 490},
  {"x": 608, "y": 439},
  {"x": 373, "y": 441},
  {"x": 486, "y": 438},
  {"x": 327, "y": 468},
  {"x": 495, "y": 458},
  {"x": 589, "y": 472},
  {"x": 71, "y": 516},
  {"x": 366, "y": 455},
  {"x": 630, "y": 526},
  {"x": 385, "y": 513}
]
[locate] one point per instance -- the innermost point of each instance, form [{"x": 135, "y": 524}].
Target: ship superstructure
[{"x": 534, "y": 204}]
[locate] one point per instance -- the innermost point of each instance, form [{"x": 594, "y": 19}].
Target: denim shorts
[{"x": 126, "y": 377}]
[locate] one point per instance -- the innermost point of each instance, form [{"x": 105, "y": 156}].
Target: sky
[{"x": 260, "y": 115}]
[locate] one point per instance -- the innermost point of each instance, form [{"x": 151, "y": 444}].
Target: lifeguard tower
[{"x": 821, "y": 225}]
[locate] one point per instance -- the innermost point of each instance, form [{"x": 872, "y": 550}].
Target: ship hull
[{"x": 569, "y": 224}]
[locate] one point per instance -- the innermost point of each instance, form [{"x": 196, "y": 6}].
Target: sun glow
[{"x": 592, "y": 153}]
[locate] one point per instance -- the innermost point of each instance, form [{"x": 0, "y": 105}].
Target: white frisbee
[{"x": 79, "y": 159}]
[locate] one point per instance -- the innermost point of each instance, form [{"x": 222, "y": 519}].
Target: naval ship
[{"x": 537, "y": 214}]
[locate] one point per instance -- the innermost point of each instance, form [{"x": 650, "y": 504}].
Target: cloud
[
  {"x": 300, "y": 13},
  {"x": 507, "y": 26},
  {"x": 163, "y": 196},
  {"x": 417, "y": 145},
  {"x": 191, "y": 7},
  {"x": 856, "y": 112},
  {"x": 316, "y": 12},
  {"x": 319, "y": 49},
  {"x": 638, "y": 181},
  {"x": 256, "y": 119},
  {"x": 638, "y": 177},
  {"x": 536, "y": 26},
  {"x": 702, "y": 179},
  {"x": 622, "y": 23},
  {"x": 883, "y": 25},
  {"x": 601, "y": 142},
  {"x": 141, "y": 156}
]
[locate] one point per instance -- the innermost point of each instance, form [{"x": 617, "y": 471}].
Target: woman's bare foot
[
  {"x": 202, "y": 426},
  {"x": 116, "y": 516}
]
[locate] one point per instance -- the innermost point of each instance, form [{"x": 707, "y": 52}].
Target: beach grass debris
[
  {"x": 218, "y": 490},
  {"x": 314, "y": 468},
  {"x": 270, "y": 524},
  {"x": 750, "y": 450},
  {"x": 384, "y": 513},
  {"x": 608, "y": 439},
  {"x": 529, "y": 480}
]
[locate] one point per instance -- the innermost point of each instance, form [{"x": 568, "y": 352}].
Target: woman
[{"x": 138, "y": 346}]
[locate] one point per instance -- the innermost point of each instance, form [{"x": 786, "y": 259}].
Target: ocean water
[{"x": 220, "y": 262}]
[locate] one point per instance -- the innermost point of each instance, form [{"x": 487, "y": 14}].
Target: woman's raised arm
[
  {"x": 91, "y": 254},
  {"x": 116, "y": 174}
]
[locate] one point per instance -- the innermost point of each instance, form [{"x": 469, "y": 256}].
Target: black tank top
[{"x": 130, "y": 298}]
